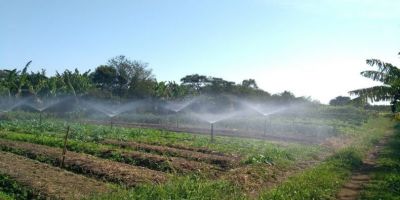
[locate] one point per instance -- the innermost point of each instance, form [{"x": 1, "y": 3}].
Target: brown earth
[
  {"x": 47, "y": 181},
  {"x": 169, "y": 164},
  {"x": 156, "y": 162},
  {"x": 222, "y": 161},
  {"x": 197, "y": 149},
  {"x": 351, "y": 190},
  {"x": 82, "y": 163}
]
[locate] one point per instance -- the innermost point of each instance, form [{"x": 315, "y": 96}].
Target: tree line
[{"x": 123, "y": 78}]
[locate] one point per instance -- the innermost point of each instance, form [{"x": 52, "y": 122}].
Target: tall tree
[
  {"x": 105, "y": 77},
  {"x": 250, "y": 83},
  {"x": 131, "y": 76},
  {"x": 195, "y": 82},
  {"x": 340, "y": 101}
]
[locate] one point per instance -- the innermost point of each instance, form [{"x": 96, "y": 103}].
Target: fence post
[{"x": 65, "y": 148}]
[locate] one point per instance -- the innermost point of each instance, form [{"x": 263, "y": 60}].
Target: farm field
[
  {"x": 200, "y": 100},
  {"x": 148, "y": 163}
]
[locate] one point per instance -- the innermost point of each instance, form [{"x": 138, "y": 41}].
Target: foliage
[
  {"x": 5, "y": 196},
  {"x": 389, "y": 76},
  {"x": 324, "y": 180},
  {"x": 122, "y": 78},
  {"x": 12, "y": 190},
  {"x": 385, "y": 183},
  {"x": 340, "y": 101},
  {"x": 187, "y": 187}
]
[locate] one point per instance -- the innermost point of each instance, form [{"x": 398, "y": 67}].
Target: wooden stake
[
  {"x": 65, "y": 148},
  {"x": 265, "y": 126},
  {"x": 40, "y": 118},
  {"x": 212, "y": 132}
]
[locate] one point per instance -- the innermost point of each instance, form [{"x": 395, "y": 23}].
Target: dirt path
[
  {"x": 47, "y": 181},
  {"x": 351, "y": 190}
]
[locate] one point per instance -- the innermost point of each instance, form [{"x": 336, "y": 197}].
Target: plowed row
[
  {"x": 82, "y": 163},
  {"x": 157, "y": 162},
  {"x": 220, "y": 160},
  {"x": 49, "y": 182}
]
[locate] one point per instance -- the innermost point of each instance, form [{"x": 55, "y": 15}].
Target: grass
[
  {"x": 5, "y": 196},
  {"x": 324, "y": 180},
  {"x": 188, "y": 187},
  {"x": 385, "y": 183},
  {"x": 9, "y": 189},
  {"x": 320, "y": 182}
]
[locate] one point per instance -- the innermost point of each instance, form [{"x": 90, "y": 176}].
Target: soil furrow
[
  {"x": 49, "y": 182},
  {"x": 82, "y": 163},
  {"x": 222, "y": 161}
]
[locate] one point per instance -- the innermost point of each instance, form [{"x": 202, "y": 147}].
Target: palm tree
[{"x": 387, "y": 74}]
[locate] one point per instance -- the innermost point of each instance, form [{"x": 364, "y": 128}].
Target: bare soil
[
  {"x": 82, "y": 163},
  {"x": 47, "y": 181},
  {"x": 168, "y": 164},
  {"x": 198, "y": 149},
  {"x": 222, "y": 161}
]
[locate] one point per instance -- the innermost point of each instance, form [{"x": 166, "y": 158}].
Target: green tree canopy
[{"x": 340, "y": 101}]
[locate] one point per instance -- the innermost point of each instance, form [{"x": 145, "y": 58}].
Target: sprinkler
[
  {"x": 212, "y": 132},
  {"x": 177, "y": 123}
]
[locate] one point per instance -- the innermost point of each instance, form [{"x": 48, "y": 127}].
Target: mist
[{"x": 203, "y": 114}]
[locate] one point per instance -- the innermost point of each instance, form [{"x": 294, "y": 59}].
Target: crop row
[
  {"x": 82, "y": 163},
  {"x": 222, "y": 161},
  {"x": 46, "y": 182},
  {"x": 148, "y": 160}
]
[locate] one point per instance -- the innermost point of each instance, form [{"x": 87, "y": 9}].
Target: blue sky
[{"x": 310, "y": 47}]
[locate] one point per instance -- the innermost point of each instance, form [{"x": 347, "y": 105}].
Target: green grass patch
[
  {"x": 321, "y": 182},
  {"x": 5, "y": 196},
  {"x": 10, "y": 189},
  {"x": 188, "y": 187},
  {"x": 385, "y": 183},
  {"x": 324, "y": 180}
]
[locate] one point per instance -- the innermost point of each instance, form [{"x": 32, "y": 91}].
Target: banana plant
[{"x": 389, "y": 76}]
